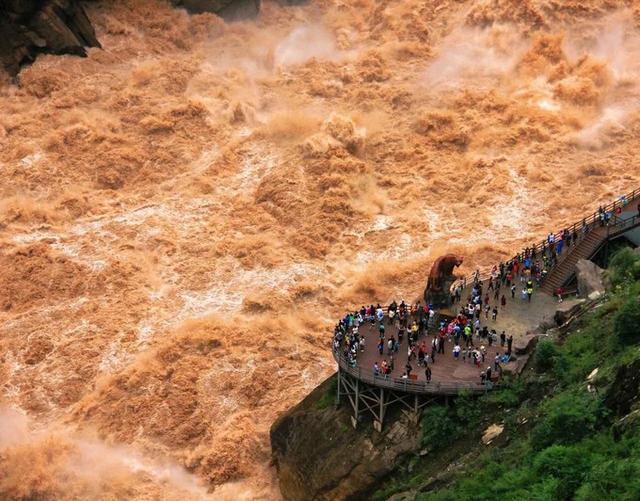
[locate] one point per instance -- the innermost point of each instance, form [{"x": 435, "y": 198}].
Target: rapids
[{"x": 185, "y": 212}]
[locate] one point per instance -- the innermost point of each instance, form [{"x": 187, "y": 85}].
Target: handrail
[
  {"x": 408, "y": 385},
  {"x": 591, "y": 220}
]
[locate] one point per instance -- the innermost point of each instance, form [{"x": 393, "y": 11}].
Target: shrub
[
  {"x": 624, "y": 267},
  {"x": 626, "y": 322},
  {"x": 438, "y": 428},
  {"x": 566, "y": 464},
  {"x": 546, "y": 352},
  {"x": 329, "y": 397},
  {"x": 569, "y": 418}
]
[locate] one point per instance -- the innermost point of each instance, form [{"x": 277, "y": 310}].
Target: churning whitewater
[{"x": 185, "y": 211}]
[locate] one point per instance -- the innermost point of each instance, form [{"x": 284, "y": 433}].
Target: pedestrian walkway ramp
[{"x": 620, "y": 218}]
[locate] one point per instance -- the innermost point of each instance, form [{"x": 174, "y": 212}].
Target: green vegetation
[
  {"x": 329, "y": 397},
  {"x": 561, "y": 441}
]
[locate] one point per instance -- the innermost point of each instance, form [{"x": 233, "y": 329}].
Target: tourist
[
  {"x": 391, "y": 364},
  {"x": 503, "y": 338},
  {"x": 509, "y": 344},
  {"x": 422, "y": 352},
  {"x": 408, "y": 369},
  {"x": 503, "y": 301},
  {"x": 362, "y": 344},
  {"x": 494, "y": 315},
  {"x": 456, "y": 352},
  {"x": 523, "y": 294},
  {"x": 496, "y": 362},
  {"x": 529, "y": 292},
  {"x": 427, "y": 374},
  {"x": 381, "y": 347},
  {"x": 376, "y": 369},
  {"x": 513, "y": 291},
  {"x": 390, "y": 344}
]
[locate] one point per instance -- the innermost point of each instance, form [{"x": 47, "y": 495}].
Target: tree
[{"x": 624, "y": 267}]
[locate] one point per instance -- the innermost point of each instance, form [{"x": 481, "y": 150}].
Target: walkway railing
[
  {"x": 592, "y": 220},
  {"x": 409, "y": 385}
]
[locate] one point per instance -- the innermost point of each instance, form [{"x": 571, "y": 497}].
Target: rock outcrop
[
  {"x": 624, "y": 393},
  {"x": 28, "y": 28},
  {"x": 227, "y": 9},
  {"x": 319, "y": 455},
  {"x": 567, "y": 310},
  {"x": 590, "y": 279}
]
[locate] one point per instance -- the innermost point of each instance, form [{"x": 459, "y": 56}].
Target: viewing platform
[{"x": 546, "y": 266}]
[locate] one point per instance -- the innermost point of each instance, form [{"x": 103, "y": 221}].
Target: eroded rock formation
[
  {"x": 30, "y": 27},
  {"x": 440, "y": 278}
]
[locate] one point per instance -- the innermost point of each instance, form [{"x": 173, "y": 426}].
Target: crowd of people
[
  {"x": 423, "y": 335},
  {"x": 402, "y": 327}
]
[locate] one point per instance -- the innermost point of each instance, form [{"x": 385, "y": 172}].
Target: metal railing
[
  {"x": 622, "y": 225},
  {"x": 592, "y": 220},
  {"x": 410, "y": 385}
]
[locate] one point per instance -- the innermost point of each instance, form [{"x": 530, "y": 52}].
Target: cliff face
[
  {"x": 42, "y": 26},
  {"x": 227, "y": 9},
  {"x": 319, "y": 455},
  {"x": 32, "y": 27}
]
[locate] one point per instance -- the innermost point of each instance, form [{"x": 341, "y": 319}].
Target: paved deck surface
[{"x": 516, "y": 318}]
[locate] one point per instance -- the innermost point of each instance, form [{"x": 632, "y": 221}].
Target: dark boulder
[
  {"x": 30, "y": 27},
  {"x": 229, "y": 10},
  {"x": 590, "y": 279}
]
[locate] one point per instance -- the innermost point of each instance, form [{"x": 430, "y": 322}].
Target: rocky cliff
[
  {"x": 227, "y": 9},
  {"x": 30, "y": 27},
  {"x": 319, "y": 455}
]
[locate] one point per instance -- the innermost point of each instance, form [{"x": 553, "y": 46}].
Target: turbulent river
[{"x": 185, "y": 212}]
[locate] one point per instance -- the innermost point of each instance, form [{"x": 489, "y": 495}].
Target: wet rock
[
  {"x": 229, "y": 10},
  {"x": 42, "y": 26},
  {"x": 590, "y": 279}
]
